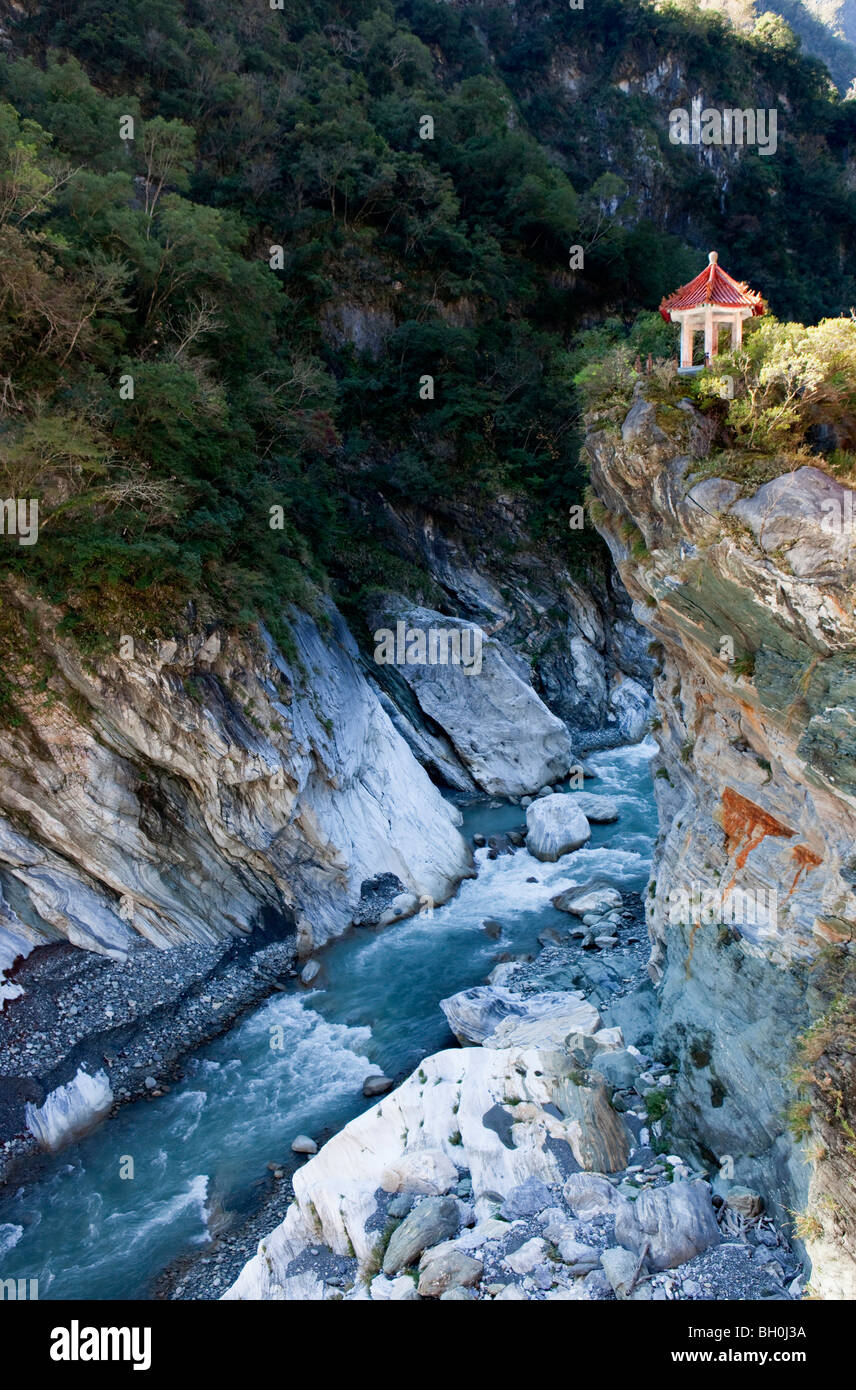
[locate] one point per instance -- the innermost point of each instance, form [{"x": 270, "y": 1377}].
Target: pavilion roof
[{"x": 712, "y": 286}]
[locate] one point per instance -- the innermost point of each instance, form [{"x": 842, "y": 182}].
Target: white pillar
[
  {"x": 709, "y": 344},
  {"x": 686, "y": 343},
  {"x": 736, "y": 331}
]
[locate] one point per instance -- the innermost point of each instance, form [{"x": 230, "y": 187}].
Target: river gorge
[{"x": 605, "y": 1032}]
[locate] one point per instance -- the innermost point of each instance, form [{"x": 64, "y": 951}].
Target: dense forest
[{"x": 308, "y": 258}]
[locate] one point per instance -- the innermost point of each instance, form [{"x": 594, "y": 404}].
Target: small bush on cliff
[
  {"x": 786, "y": 380},
  {"x": 605, "y": 358},
  {"x": 607, "y": 385}
]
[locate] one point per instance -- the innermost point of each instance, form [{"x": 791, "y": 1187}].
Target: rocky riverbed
[
  {"x": 533, "y": 1162},
  {"x": 133, "y": 1019}
]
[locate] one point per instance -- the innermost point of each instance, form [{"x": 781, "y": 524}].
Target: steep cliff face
[
  {"x": 750, "y": 594},
  {"x": 187, "y": 791}
]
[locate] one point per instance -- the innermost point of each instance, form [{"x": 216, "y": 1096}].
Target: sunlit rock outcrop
[{"x": 185, "y": 792}]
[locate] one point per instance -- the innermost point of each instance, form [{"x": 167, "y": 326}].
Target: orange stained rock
[
  {"x": 806, "y": 861},
  {"x": 745, "y": 826}
]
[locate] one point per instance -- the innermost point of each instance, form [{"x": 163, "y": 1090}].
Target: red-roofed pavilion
[{"x": 707, "y": 302}]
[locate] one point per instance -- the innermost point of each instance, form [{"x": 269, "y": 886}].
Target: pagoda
[{"x": 705, "y": 304}]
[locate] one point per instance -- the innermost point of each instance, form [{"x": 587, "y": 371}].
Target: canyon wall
[
  {"x": 185, "y": 792},
  {"x": 749, "y": 592}
]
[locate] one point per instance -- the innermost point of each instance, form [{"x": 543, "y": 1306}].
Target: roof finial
[{"x": 712, "y": 257}]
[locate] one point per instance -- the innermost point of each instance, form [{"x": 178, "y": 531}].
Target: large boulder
[
  {"x": 633, "y": 707},
  {"x": 528, "y": 1199},
  {"x": 600, "y": 810},
  {"x": 744, "y": 1200},
  {"x": 581, "y": 1257},
  {"x": 677, "y": 1222},
  {"x": 618, "y": 1066},
  {"x": 555, "y": 826},
  {"x": 620, "y": 1267},
  {"x": 500, "y": 728},
  {"x": 397, "y": 1290},
  {"x": 447, "y": 1267},
  {"x": 527, "y": 1256},
  {"x": 435, "y": 1219},
  {"x": 597, "y": 897},
  {"x": 549, "y": 1027},
  {"x": 590, "y": 1194},
  {"x": 498, "y": 1017}
]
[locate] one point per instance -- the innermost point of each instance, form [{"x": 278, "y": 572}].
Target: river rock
[
  {"x": 527, "y": 1256},
  {"x": 433, "y": 1220},
  {"x": 377, "y": 1086},
  {"x": 582, "y": 1258},
  {"x": 601, "y": 810},
  {"x": 447, "y": 1268},
  {"x": 620, "y": 1068},
  {"x": 555, "y": 826},
  {"x": 400, "y": 1290},
  {"x": 677, "y": 1221},
  {"x": 496, "y": 1016},
  {"x": 310, "y": 972},
  {"x": 596, "y": 1285},
  {"x": 590, "y": 1194},
  {"x": 492, "y": 929},
  {"x": 426, "y": 1171},
  {"x": 70, "y": 1111},
  {"x": 595, "y": 898},
  {"x": 558, "y": 1225},
  {"x": 744, "y": 1201},
  {"x": 528, "y": 1199},
  {"x": 304, "y": 1145},
  {"x": 619, "y": 1265}
]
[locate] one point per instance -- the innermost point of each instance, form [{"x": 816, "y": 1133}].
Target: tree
[{"x": 168, "y": 154}]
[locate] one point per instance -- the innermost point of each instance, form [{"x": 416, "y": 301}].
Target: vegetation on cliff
[
  {"x": 785, "y": 398},
  {"x": 168, "y": 379}
]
